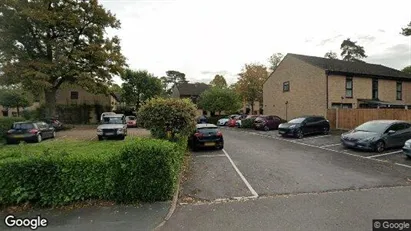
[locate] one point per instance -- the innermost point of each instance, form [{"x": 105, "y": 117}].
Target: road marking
[
  {"x": 330, "y": 145},
  {"x": 403, "y": 165},
  {"x": 241, "y": 175},
  {"x": 384, "y": 154},
  {"x": 315, "y": 137},
  {"x": 218, "y": 155}
]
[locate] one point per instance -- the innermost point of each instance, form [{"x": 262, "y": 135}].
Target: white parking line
[
  {"x": 218, "y": 155},
  {"x": 241, "y": 175},
  {"x": 384, "y": 154},
  {"x": 315, "y": 137},
  {"x": 330, "y": 145},
  {"x": 403, "y": 165}
]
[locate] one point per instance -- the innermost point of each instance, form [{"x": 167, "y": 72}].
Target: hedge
[
  {"x": 6, "y": 123},
  {"x": 60, "y": 172},
  {"x": 247, "y": 123}
]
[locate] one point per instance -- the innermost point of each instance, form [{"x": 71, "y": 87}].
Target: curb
[{"x": 173, "y": 205}]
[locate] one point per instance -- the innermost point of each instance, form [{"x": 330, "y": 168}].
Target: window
[
  {"x": 341, "y": 105},
  {"x": 375, "y": 88},
  {"x": 399, "y": 90},
  {"x": 348, "y": 87},
  {"x": 286, "y": 86},
  {"x": 74, "y": 95}
]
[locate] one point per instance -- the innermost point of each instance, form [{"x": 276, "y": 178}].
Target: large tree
[
  {"x": 407, "y": 30},
  {"x": 250, "y": 83},
  {"x": 407, "y": 70},
  {"x": 350, "y": 51},
  {"x": 275, "y": 60},
  {"x": 175, "y": 77},
  {"x": 218, "y": 99},
  {"x": 219, "y": 81},
  {"x": 45, "y": 43},
  {"x": 331, "y": 55},
  {"x": 15, "y": 98},
  {"x": 139, "y": 86}
]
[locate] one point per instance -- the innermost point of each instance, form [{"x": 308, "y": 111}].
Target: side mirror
[{"x": 390, "y": 132}]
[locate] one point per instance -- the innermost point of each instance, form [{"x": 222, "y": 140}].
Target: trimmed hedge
[
  {"x": 6, "y": 123},
  {"x": 247, "y": 123},
  {"x": 57, "y": 173}
]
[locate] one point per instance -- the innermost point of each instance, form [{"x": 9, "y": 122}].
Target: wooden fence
[{"x": 351, "y": 118}]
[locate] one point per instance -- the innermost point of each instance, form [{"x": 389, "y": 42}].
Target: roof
[
  {"x": 355, "y": 68},
  {"x": 387, "y": 121},
  {"x": 116, "y": 96},
  {"x": 192, "y": 88},
  {"x": 206, "y": 126}
]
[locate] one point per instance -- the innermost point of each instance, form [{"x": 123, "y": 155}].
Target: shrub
[
  {"x": 247, "y": 123},
  {"x": 177, "y": 114},
  {"x": 57, "y": 173},
  {"x": 6, "y": 123}
]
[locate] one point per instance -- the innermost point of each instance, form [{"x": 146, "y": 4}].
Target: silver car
[{"x": 112, "y": 126}]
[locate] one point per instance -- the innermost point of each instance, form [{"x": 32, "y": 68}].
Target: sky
[{"x": 202, "y": 38}]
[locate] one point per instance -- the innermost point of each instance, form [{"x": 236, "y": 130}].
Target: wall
[
  {"x": 256, "y": 108},
  {"x": 307, "y": 95},
  {"x": 84, "y": 97}
]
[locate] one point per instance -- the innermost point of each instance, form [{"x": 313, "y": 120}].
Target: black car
[
  {"x": 206, "y": 135},
  {"x": 29, "y": 131},
  {"x": 202, "y": 119},
  {"x": 378, "y": 135},
  {"x": 304, "y": 125}
]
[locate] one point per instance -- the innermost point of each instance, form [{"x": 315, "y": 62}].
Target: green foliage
[
  {"x": 6, "y": 123},
  {"x": 247, "y": 123},
  {"x": 15, "y": 98},
  {"x": 331, "y": 55},
  {"x": 140, "y": 86},
  {"x": 407, "y": 70},
  {"x": 175, "y": 77},
  {"x": 275, "y": 60},
  {"x": 219, "y": 81},
  {"x": 250, "y": 83},
  {"x": 219, "y": 99},
  {"x": 47, "y": 43},
  {"x": 57, "y": 173},
  {"x": 351, "y": 51},
  {"x": 407, "y": 30},
  {"x": 177, "y": 114}
]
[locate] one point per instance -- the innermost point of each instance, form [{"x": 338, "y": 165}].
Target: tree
[
  {"x": 250, "y": 83},
  {"x": 139, "y": 86},
  {"x": 331, "y": 55},
  {"x": 275, "y": 60},
  {"x": 115, "y": 88},
  {"x": 44, "y": 44},
  {"x": 175, "y": 77},
  {"x": 407, "y": 30},
  {"x": 407, "y": 70},
  {"x": 218, "y": 81},
  {"x": 351, "y": 51},
  {"x": 15, "y": 98},
  {"x": 218, "y": 99}
]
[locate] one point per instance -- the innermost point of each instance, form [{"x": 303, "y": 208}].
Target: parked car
[
  {"x": 206, "y": 135},
  {"x": 407, "y": 149},
  {"x": 267, "y": 122},
  {"x": 238, "y": 122},
  {"x": 202, "y": 119},
  {"x": 233, "y": 121},
  {"x": 378, "y": 135},
  {"x": 29, "y": 131},
  {"x": 131, "y": 121},
  {"x": 223, "y": 122},
  {"x": 113, "y": 126},
  {"x": 106, "y": 113},
  {"x": 55, "y": 123},
  {"x": 304, "y": 125}
]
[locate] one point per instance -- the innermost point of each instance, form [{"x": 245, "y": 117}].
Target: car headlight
[
  {"x": 407, "y": 144},
  {"x": 369, "y": 139},
  {"x": 99, "y": 130},
  {"x": 120, "y": 130}
]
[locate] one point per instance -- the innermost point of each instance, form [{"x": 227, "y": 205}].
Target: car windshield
[
  {"x": 131, "y": 118},
  {"x": 376, "y": 127},
  {"x": 112, "y": 120},
  {"x": 23, "y": 126},
  {"x": 296, "y": 121}
]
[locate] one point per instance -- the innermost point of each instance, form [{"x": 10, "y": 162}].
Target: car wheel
[
  {"x": 100, "y": 138},
  {"x": 326, "y": 131},
  {"x": 39, "y": 138},
  {"x": 380, "y": 146},
  {"x": 122, "y": 137},
  {"x": 266, "y": 128},
  {"x": 299, "y": 134}
]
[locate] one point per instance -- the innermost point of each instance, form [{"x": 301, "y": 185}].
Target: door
[
  {"x": 320, "y": 124},
  {"x": 309, "y": 125},
  {"x": 404, "y": 133},
  {"x": 395, "y": 139},
  {"x": 270, "y": 122},
  {"x": 276, "y": 121}
]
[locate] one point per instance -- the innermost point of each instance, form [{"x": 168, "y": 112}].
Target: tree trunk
[
  {"x": 50, "y": 97},
  {"x": 18, "y": 111},
  {"x": 252, "y": 108}
]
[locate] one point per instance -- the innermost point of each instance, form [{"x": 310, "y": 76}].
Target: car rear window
[
  {"x": 131, "y": 118},
  {"x": 207, "y": 130},
  {"x": 23, "y": 126}
]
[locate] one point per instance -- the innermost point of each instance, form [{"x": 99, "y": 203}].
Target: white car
[
  {"x": 112, "y": 126},
  {"x": 222, "y": 122}
]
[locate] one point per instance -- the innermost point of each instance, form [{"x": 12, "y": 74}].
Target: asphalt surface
[{"x": 308, "y": 184}]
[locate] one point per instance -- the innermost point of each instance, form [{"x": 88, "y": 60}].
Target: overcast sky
[{"x": 202, "y": 38}]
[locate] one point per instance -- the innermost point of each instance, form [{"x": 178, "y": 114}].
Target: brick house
[
  {"x": 190, "y": 91},
  {"x": 308, "y": 85}
]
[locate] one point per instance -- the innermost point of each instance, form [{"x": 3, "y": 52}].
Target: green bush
[
  {"x": 57, "y": 173},
  {"x": 6, "y": 123},
  {"x": 160, "y": 114},
  {"x": 247, "y": 123}
]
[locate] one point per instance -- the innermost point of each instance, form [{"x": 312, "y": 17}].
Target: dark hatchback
[
  {"x": 267, "y": 122},
  {"x": 378, "y": 135},
  {"x": 206, "y": 135},
  {"x": 29, "y": 132},
  {"x": 305, "y": 125}
]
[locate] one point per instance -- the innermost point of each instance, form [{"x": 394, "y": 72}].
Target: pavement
[{"x": 290, "y": 184}]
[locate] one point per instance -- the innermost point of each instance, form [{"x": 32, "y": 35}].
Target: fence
[{"x": 351, "y": 118}]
